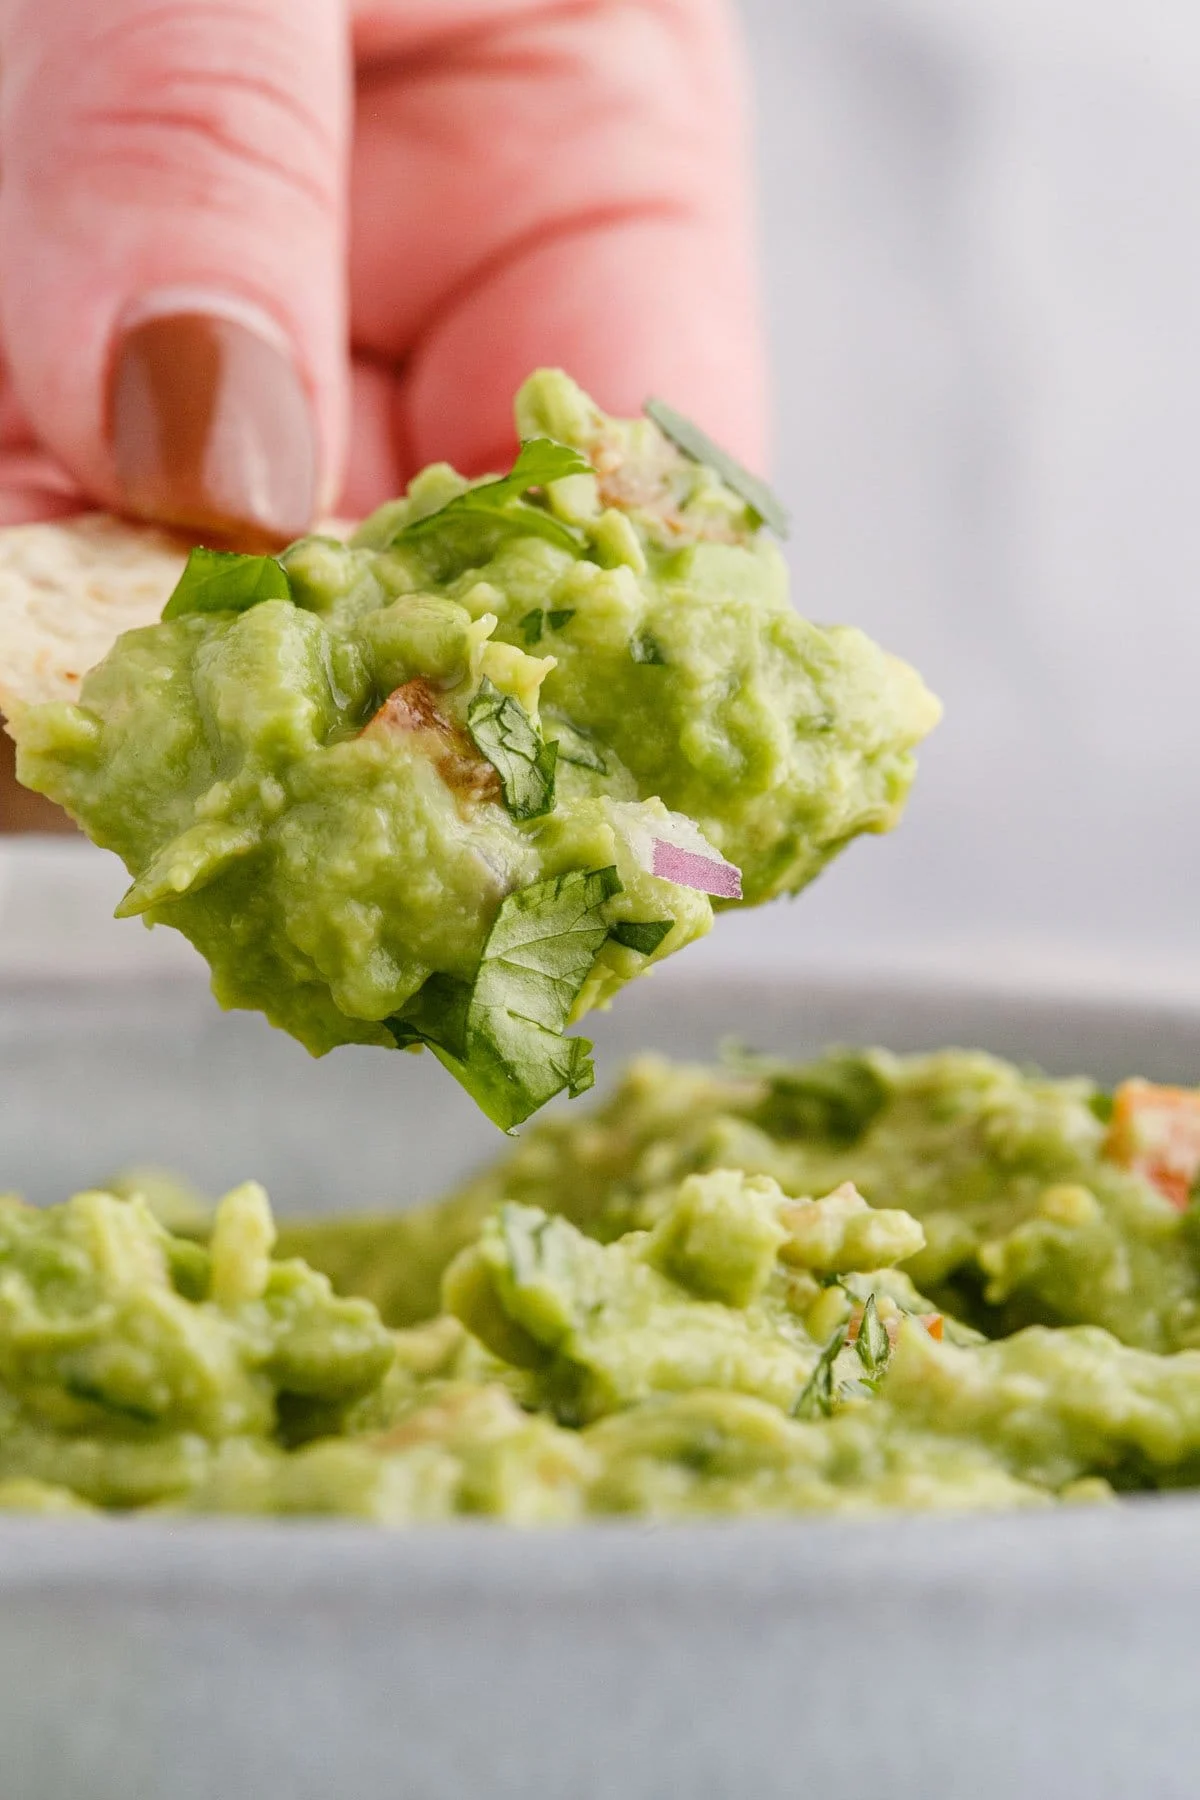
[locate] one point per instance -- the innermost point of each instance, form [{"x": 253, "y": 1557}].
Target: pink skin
[{"x": 464, "y": 188}]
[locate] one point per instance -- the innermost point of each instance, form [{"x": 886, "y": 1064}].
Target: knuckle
[{"x": 202, "y": 105}]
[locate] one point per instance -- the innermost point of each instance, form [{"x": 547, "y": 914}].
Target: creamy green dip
[
  {"x": 864, "y": 1283},
  {"x": 457, "y": 781}
]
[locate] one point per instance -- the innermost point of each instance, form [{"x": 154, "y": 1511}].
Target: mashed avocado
[
  {"x": 861, "y": 1283},
  {"x": 456, "y": 781}
]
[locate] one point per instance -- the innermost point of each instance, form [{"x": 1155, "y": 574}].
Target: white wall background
[{"x": 981, "y": 223}]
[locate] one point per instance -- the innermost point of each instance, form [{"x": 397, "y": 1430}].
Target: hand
[{"x": 203, "y": 202}]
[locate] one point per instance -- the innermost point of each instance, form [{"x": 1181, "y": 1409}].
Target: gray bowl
[{"x": 994, "y": 1658}]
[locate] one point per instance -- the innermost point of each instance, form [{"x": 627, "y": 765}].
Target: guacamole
[
  {"x": 456, "y": 781},
  {"x": 869, "y": 1282}
]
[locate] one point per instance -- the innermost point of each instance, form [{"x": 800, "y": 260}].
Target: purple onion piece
[{"x": 686, "y": 868}]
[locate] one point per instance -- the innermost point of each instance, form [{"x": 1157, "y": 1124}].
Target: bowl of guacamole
[
  {"x": 838, "y": 1337},
  {"x": 769, "y": 1286}
]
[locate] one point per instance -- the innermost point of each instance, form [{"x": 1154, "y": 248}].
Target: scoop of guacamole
[
  {"x": 455, "y": 782},
  {"x": 858, "y": 1284}
]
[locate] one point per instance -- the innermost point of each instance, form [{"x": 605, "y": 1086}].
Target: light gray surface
[
  {"x": 977, "y": 1659},
  {"x": 999, "y": 1659}
]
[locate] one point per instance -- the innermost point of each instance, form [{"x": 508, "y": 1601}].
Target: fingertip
[
  {"x": 172, "y": 211},
  {"x": 632, "y": 308}
]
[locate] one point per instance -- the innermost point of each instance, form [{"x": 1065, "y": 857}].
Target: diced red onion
[{"x": 686, "y": 868}]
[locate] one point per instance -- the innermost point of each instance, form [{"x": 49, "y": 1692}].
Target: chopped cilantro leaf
[
  {"x": 534, "y": 623},
  {"x": 502, "y": 1034},
  {"x": 645, "y": 649},
  {"x": 574, "y": 746},
  {"x": 94, "y": 1395},
  {"x": 836, "y": 1097},
  {"x": 816, "y": 1396},
  {"x": 642, "y": 935},
  {"x": 503, "y": 501},
  {"x": 699, "y": 446},
  {"x": 872, "y": 1342},
  {"x": 503, "y": 732},
  {"x": 224, "y": 581},
  {"x": 1100, "y": 1105},
  {"x": 436, "y": 1014}
]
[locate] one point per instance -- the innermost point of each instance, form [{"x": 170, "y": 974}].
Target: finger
[
  {"x": 594, "y": 165},
  {"x": 630, "y": 308},
  {"x": 376, "y": 467},
  {"x": 172, "y": 239},
  {"x": 32, "y": 484},
  {"x": 33, "y": 487}
]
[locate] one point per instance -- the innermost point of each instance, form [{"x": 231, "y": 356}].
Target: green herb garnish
[
  {"x": 645, "y": 649},
  {"x": 1100, "y": 1105},
  {"x": 535, "y": 622},
  {"x": 224, "y": 581},
  {"x": 816, "y": 1396},
  {"x": 503, "y": 731},
  {"x": 501, "y": 1035},
  {"x": 575, "y": 746},
  {"x": 836, "y": 1097},
  {"x": 872, "y": 1343},
  {"x": 642, "y": 935},
  {"x": 503, "y": 501},
  {"x": 94, "y": 1395},
  {"x": 699, "y": 446}
]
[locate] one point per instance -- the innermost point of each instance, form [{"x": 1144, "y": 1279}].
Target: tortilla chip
[{"x": 68, "y": 588}]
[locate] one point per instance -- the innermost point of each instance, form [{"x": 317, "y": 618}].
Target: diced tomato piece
[
  {"x": 644, "y": 481},
  {"x": 1155, "y": 1132},
  {"x": 413, "y": 708}
]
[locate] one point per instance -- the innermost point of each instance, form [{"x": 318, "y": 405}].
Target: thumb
[{"x": 172, "y": 247}]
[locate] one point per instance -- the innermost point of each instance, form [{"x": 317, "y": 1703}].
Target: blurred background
[
  {"x": 982, "y": 245},
  {"x": 981, "y": 227}
]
